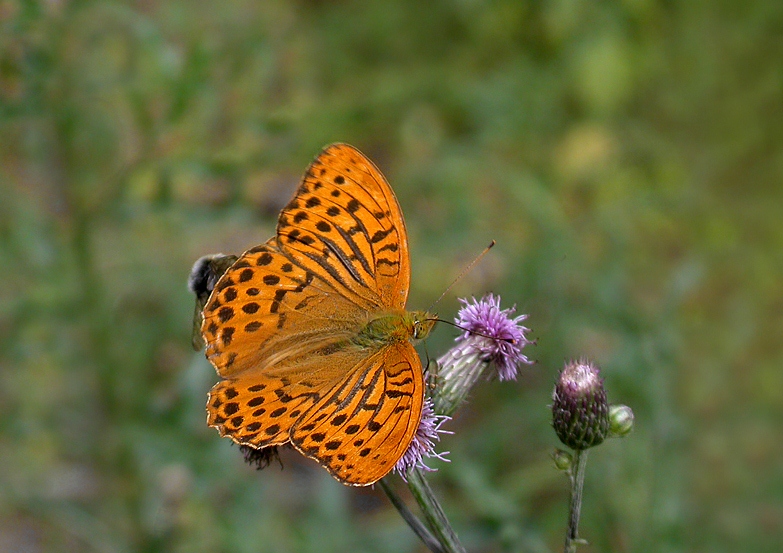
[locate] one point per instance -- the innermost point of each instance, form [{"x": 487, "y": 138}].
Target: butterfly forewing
[
  {"x": 267, "y": 305},
  {"x": 345, "y": 219}
]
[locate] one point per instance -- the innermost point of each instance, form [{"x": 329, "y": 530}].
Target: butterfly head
[{"x": 421, "y": 324}]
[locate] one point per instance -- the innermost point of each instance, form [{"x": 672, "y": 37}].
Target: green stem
[
  {"x": 433, "y": 512},
  {"x": 577, "y": 477},
  {"x": 416, "y": 525}
]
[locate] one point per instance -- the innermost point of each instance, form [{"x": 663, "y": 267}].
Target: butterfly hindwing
[
  {"x": 257, "y": 412},
  {"x": 249, "y": 407},
  {"x": 360, "y": 429}
]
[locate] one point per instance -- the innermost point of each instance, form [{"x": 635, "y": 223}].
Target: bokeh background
[{"x": 626, "y": 155}]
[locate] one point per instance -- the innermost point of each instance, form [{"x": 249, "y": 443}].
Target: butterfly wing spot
[
  {"x": 224, "y": 282},
  {"x": 227, "y": 335},
  {"x": 225, "y": 314},
  {"x": 264, "y": 259},
  {"x": 252, "y": 326}
]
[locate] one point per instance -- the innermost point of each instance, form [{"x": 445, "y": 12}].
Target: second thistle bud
[{"x": 580, "y": 412}]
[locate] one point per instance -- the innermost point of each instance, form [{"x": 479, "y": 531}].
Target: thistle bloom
[
  {"x": 493, "y": 337},
  {"x": 423, "y": 444}
]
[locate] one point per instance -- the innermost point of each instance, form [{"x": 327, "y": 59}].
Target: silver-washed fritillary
[{"x": 309, "y": 332}]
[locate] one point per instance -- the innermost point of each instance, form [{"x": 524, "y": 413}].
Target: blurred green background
[{"x": 626, "y": 155}]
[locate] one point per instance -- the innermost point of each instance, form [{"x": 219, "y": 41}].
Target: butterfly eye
[{"x": 417, "y": 329}]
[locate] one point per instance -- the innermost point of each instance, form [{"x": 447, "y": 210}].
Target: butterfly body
[
  {"x": 309, "y": 331},
  {"x": 387, "y": 328}
]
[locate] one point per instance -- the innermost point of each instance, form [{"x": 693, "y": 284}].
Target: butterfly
[{"x": 309, "y": 331}]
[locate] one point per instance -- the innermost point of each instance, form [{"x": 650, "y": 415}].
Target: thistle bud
[
  {"x": 620, "y": 421},
  {"x": 580, "y": 412},
  {"x": 563, "y": 460}
]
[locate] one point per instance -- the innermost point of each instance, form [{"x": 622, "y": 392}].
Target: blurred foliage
[{"x": 626, "y": 155}]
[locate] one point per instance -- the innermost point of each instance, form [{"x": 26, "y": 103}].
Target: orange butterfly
[{"x": 309, "y": 330}]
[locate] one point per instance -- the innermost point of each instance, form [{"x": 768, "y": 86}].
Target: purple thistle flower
[
  {"x": 506, "y": 339},
  {"x": 492, "y": 337},
  {"x": 423, "y": 444}
]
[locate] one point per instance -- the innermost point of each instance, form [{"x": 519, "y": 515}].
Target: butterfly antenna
[
  {"x": 476, "y": 332},
  {"x": 463, "y": 273}
]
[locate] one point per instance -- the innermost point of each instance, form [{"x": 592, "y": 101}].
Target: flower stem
[
  {"x": 416, "y": 525},
  {"x": 433, "y": 512},
  {"x": 577, "y": 477}
]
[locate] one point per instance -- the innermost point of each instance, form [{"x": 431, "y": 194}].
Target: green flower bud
[
  {"x": 620, "y": 421},
  {"x": 563, "y": 460}
]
